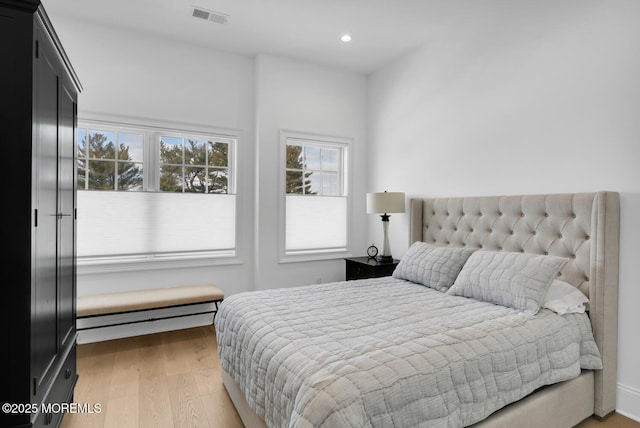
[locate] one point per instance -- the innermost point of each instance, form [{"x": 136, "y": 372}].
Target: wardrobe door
[
  {"x": 45, "y": 164},
  {"x": 66, "y": 216}
]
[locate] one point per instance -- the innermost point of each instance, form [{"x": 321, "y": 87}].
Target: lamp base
[{"x": 384, "y": 259}]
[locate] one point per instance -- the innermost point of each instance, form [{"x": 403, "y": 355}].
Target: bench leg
[{"x": 214, "y": 314}]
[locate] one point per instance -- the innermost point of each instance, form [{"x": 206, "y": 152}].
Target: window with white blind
[
  {"x": 316, "y": 201},
  {"x": 146, "y": 193}
]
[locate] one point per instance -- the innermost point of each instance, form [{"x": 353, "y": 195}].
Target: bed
[{"x": 395, "y": 352}]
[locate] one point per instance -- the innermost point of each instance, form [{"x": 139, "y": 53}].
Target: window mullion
[
  {"x": 152, "y": 160},
  {"x": 116, "y": 156},
  {"x": 231, "y": 166},
  {"x": 206, "y": 167}
]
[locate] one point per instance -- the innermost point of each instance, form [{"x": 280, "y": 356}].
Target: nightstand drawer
[{"x": 365, "y": 267}]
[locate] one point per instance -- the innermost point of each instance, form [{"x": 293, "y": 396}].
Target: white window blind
[
  {"x": 141, "y": 223},
  {"x": 316, "y": 223}
]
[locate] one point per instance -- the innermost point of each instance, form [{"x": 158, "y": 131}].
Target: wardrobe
[{"x": 38, "y": 110}]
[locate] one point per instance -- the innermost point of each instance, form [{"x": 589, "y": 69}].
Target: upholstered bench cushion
[{"x": 146, "y": 299}]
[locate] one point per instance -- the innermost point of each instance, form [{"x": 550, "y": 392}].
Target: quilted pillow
[
  {"x": 515, "y": 280},
  {"x": 435, "y": 267}
]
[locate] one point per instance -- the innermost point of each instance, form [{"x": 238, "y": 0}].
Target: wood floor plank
[
  {"x": 187, "y": 408},
  {"x": 178, "y": 354},
  {"x": 152, "y": 362},
  {"x": 205, "y": 355},
  {"x": 127, "y": 414},
  {"x": 208, "y": 381},
  {"x": 94, "y": 358},
  {"x": 155, "y": 403},
  {"x": 170, "y": 380},
  {"x": 125, "y": 379},
  {"x": 220, "y": 411}
]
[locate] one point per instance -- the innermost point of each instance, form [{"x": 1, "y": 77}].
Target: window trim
[
  {"x": 96, "y": 265},
  {"x": 142, "y": 262},
  {"x": 305, "y": 138}
]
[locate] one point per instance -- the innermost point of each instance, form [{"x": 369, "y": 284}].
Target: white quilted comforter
[{"x": 390, "y": 353}]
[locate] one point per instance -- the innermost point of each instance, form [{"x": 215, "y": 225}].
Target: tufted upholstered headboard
[{"x": 583, "y": 227}]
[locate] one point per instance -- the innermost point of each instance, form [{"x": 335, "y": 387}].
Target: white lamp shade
[{"x": 385, "y": 202}]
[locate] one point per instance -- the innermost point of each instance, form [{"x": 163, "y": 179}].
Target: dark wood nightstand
[{"x": 365, "y": 267}]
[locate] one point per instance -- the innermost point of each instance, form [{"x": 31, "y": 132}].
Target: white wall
[
  {"x": 298, "y": 96},
  {"x": 132, "y": 75},
  {"x": 137, "y": 77},
  {"x": 546, "y": 102}
]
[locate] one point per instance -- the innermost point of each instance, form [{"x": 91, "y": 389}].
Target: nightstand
[{"x": 365, "y": 267}]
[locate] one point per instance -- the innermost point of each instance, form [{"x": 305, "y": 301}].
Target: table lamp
[{"x": 384, "y": 203}]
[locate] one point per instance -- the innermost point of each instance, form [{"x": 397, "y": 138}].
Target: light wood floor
[
  {"x": 170, "y": 380},
  {"x": 161, "y": 380}
]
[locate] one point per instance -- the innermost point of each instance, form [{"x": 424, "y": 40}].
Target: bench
[{"x": 130, "y": 313}]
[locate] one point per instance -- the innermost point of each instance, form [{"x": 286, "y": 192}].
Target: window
[
  {"x": 196, "y": 166},
  {"x": 114, "y": 158},
  {"x": 147, "y": 193},
  {"x": 312, "y": 169},
  {"x": 315, "y": 195}
]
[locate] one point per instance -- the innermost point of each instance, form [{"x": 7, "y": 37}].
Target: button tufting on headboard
[{"x": 557, "y": 225}]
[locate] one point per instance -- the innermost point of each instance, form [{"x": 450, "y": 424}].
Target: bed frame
[{"x": 583, "y": 227}]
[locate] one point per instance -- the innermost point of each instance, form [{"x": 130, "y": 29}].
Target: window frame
[
  {"x": 152, "y": 131},
  {"x": 344, "y": 144}
]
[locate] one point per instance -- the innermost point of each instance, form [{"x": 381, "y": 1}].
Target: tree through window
[
  {"x": 109, "y": 160},
  {"x": 313, "y": 170},
  {"x": 191, "y": 165}
]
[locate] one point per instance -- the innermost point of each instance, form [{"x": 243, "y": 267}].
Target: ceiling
[{"x": 381, "y": 30}]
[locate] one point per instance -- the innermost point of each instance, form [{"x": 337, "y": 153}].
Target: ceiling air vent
[{"x": 209, "y": 15}]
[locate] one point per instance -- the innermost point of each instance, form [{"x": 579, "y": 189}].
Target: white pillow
[{"x": 564, "y": 298}]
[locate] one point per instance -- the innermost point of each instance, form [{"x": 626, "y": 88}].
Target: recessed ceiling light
[{"x": 346, "y": 38}]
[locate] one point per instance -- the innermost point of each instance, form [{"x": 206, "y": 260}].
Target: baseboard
[
  {"x": 628, "y": 402},
  {"x": 100, "y": 334}
]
